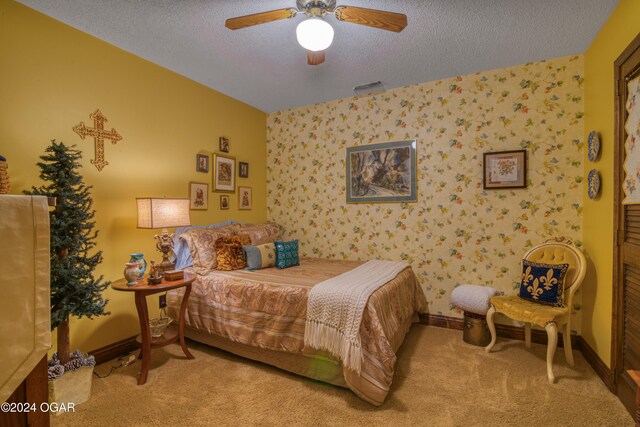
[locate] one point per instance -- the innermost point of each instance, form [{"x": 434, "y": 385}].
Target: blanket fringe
[
  {"x": 336, "y": 306},
  {"x": 335, "y": 342}
]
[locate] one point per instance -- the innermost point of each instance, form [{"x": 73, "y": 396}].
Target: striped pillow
[{"x": 261, "y": 256}]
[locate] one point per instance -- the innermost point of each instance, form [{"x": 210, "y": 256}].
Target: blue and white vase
[{"x": 142, "y": 263}]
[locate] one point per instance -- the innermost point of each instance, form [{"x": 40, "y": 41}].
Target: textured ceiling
[{"x": 265, "y": 67}]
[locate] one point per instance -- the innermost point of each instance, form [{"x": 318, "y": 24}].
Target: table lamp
[{"x": 163, "y": 213}]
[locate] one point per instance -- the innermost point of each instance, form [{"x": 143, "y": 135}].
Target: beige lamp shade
[{"x": 163, "y": 213}]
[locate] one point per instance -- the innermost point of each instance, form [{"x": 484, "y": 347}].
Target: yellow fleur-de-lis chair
[{"x": 558, "y": 251}]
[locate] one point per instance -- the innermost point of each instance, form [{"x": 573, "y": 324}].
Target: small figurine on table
[{"x": 154, "y": 277}]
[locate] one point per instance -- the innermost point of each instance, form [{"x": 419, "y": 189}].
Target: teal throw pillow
[
  {"x": 543, "y": 283},
  {"x": 261, "y": 256},
  {"x": 287, "y": 254}
]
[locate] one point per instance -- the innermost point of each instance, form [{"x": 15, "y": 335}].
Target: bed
[{"x": 261, "y": 315}]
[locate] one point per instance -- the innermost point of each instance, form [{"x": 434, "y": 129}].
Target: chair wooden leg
[
  {"x": 527, "y": 335},
  {"x": 492, "y": 328},
  {"x": 566, "y": 339},
  {"x": 552, "y": 334}
]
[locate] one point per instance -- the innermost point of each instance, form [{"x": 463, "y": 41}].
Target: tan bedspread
[{"x": 267, "y": 309}]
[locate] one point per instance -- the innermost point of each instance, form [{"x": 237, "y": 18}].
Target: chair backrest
[{"x": 561, "y": 252}]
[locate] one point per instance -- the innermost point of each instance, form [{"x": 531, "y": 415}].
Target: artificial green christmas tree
[{"x": 74, "y": 290}]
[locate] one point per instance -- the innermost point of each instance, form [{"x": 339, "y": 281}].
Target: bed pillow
[
  {"x": 244, "y": 239},
  {"x": 182, "y": 255},
  {"x": 229, "y": 255},
  {"x": 543, "y": 283},
  {"x": 261, "y": 256},
  {"x": 261, "y": 233},
  {"x": 201, "y": 243},
  {"x": 287, "y": 254}
]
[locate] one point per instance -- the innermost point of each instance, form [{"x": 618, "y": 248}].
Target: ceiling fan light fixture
[{"x": 314, "y": 34}]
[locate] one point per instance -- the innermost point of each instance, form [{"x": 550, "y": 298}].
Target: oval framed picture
[
  {"x": 593, "y": 146},
  {"x": 593, "y": 182}
]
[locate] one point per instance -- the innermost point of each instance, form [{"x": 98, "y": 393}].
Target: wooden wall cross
[{"x": 99, "y": 135}]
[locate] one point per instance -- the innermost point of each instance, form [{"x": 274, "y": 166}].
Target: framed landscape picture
[
  {"x": 378, "y": 173},
  {"x": 504, "y": 169},
  {"x": 199, "y": 196},
  {"x": 224, "y": 174},
  {"x": 244, "y": 198}
]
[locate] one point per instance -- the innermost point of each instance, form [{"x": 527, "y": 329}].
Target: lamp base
[
  {"x": 165, "y": 265},
  {"x": 165, "y": 246}
]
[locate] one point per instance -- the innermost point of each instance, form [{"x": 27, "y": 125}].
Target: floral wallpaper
[
  {"x": 631, "y": 183},
  {"x": 456, "y": 233}
]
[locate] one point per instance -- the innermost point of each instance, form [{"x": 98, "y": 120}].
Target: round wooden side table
[{"x": 141, "y": 290}]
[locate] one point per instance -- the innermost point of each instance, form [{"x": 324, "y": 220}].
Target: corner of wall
[{"x": 598, "y": 234}]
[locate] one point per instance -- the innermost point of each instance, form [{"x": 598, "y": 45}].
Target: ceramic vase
[
  {"x": 131, "y": 272},
  {"x": 142, "y": 263}
]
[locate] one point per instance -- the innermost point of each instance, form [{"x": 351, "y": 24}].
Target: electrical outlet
[{"x": 163, "y": 301}]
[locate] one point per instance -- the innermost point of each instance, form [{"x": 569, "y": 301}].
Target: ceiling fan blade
[
  {"x": 259, "y": 18},
  {"x": 315, "y": 58},
  {"x": 381, "y": 19}
]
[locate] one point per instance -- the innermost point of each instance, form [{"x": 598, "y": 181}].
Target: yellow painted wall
[
  {"x": 619, "y": 30},
  {"x": 53, "y": 76}
]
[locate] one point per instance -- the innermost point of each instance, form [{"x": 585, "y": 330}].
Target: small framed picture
[
  {"x": 199, "y": 196},
  {"x": 224, "y": 174},
  {"x": 224, "y": 202},
  {"x": 243, "y": 170},
  {"x": 224, "y": 144},
  {"x": 504, "y": 169},
  {"x": 202, "y": 163},
  {"x": 244, "y": 198}
]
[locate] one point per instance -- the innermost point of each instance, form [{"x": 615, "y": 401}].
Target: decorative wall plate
[
  {"x": 593, "y": 146},
  {"x": 593, "y": 181}
]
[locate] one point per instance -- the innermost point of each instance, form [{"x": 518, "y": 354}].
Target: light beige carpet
[{"x": 439, "y": 381}]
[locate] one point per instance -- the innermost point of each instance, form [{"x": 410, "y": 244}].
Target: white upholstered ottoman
[{"x": 474, "y": 300}]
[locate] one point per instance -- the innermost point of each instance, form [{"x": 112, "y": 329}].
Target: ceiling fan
[{"x": 315, "y": 34}]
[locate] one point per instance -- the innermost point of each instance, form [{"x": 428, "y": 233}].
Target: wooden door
[{"x": 626, "y": 278}]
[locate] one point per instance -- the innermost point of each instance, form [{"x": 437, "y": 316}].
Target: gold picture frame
[
  {"x": 245, "y": 198},
  {"x": 198, "y": 196},
  {"x": 223, "y": 144},
  {"x": 224, "y": 202},
  {"x": 202, "y": 163},
  {"x": 243, "y": 169},
  {"x": 224, "y": 173}
]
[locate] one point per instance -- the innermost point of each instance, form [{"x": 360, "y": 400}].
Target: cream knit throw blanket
[{"x": 335, "y": 308}]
